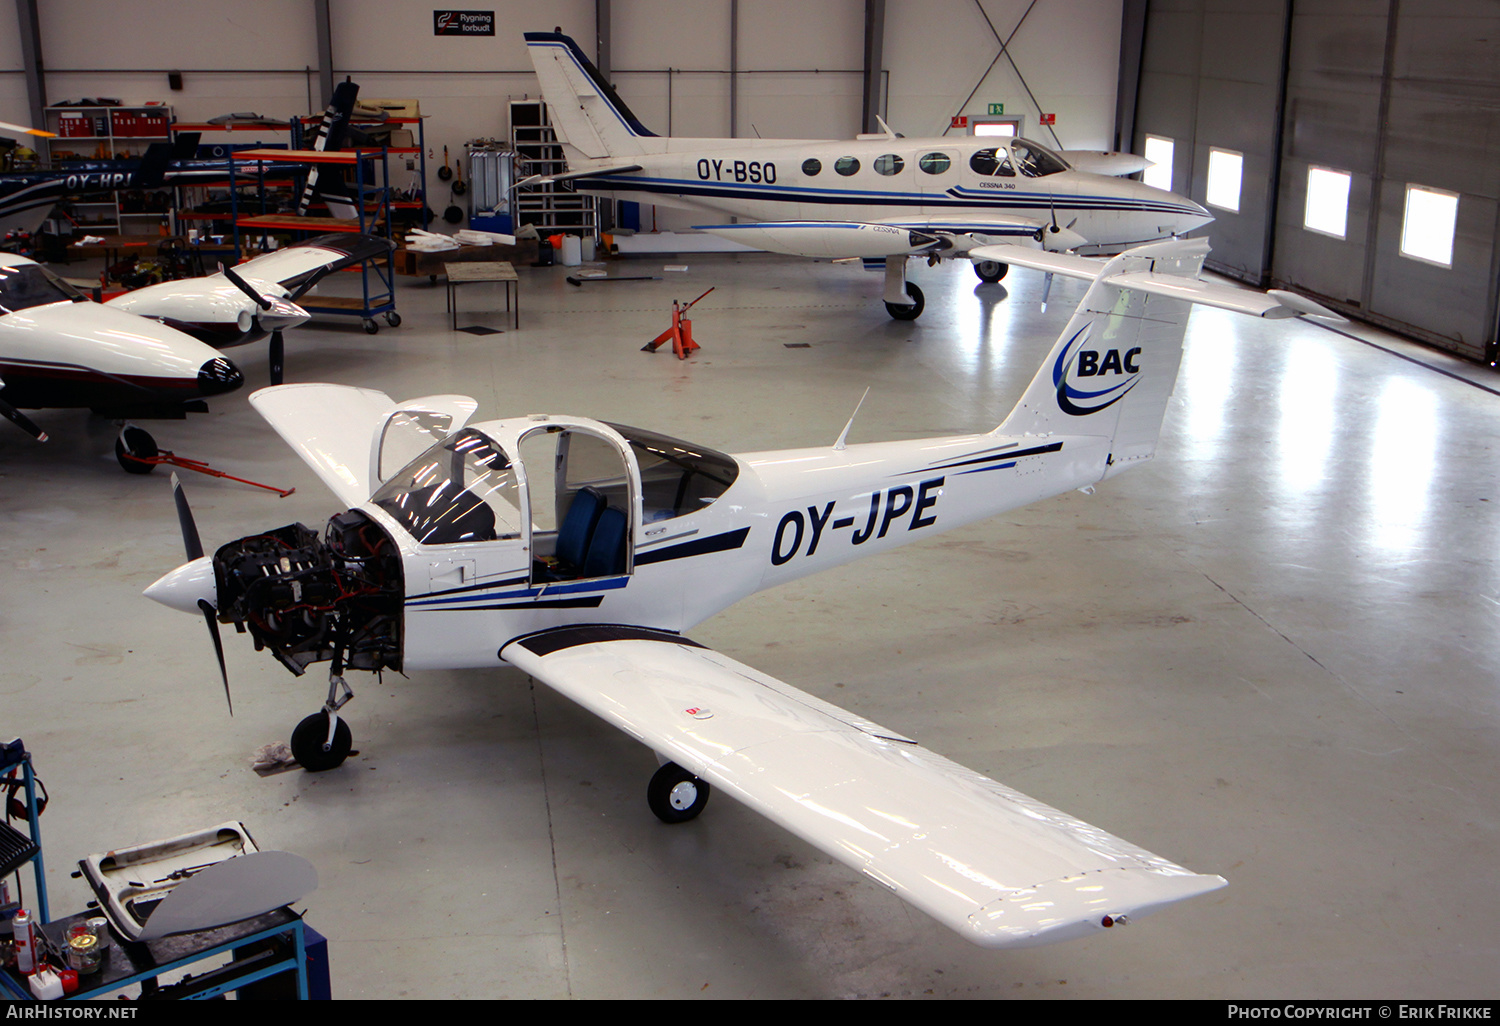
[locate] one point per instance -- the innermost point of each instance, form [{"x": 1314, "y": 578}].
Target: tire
[
  {"x": 908, "y": 313},
  {"x": 137, "y": 442},
  {"x": 393, "y": 319},
  {"x": 990, "y": 271},
  {"x": 370, "y": 326},
  {"x": 308, "y": 738},
  {"x": 675, "y": 795}
]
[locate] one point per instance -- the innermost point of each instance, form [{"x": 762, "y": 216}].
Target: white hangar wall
[{"x": 798, "y": 65}]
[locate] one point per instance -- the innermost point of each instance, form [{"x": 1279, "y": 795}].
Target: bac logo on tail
[{"x": 1104, "y": 368}]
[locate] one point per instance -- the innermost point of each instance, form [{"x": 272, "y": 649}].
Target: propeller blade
[
  {"x": 190, "y": 539},
  {"x": 278, "y": 357},
  {"x": 22, "y": 421},
  {"x": 211, "y": 618},
  {"x": 244, "y": 286},
  {"x": 312, "y": 279}
]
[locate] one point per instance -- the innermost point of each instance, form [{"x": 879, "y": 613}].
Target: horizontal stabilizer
[
  {"x": 1274, "y": 304},
  {"x": 574, "y": 176}
]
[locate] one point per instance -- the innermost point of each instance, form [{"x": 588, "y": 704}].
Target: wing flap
[{"x": 999, "y": 867}]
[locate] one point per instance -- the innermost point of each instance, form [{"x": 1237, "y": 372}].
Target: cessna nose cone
[
  {"x": 182, "y": 588},
  {"x": 218, "y": 375}
]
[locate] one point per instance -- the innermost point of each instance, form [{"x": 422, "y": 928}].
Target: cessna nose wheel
[
  {"x": 675, "y": 795},
  {"x": 314, "y": 749}
]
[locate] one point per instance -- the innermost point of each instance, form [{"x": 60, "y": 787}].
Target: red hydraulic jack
[{"x": 681, "y": 331}]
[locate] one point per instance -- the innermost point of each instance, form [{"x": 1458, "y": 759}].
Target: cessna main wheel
[
  {"x": 675, "y": 795},
  {"x": 990, "y": 271},
  {"x": 903, "y": 312},
  {"x": 310, "y": 745}
]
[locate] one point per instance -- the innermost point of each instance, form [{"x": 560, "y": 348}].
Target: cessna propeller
[
  {"x": 193, "y": 546},
  {"x": 20, "y": 419},
  {"x": 275, "y": 314}
]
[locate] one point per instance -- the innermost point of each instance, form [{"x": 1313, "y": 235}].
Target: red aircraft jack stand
[{"x": 681, "y": 331}]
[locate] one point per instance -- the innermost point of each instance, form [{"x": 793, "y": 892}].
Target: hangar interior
[{"x": 1268, "y": 654}]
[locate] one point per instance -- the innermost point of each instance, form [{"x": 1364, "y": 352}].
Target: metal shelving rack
[
  {"x": 556, "y": 206},
  {"x": 16, "y": 848},
  {"x": 373, "y": 217},
  {"x": 113, "y": 132}
]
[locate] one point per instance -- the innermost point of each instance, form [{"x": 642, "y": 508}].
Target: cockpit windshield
[
  {"x": 992, "y": 161},
  {"x": 1036, "y": 161},
  {"x": 462, "y": 489},
  {"x": 677, "y": 478},
  {"x": 27, "y": 285}
]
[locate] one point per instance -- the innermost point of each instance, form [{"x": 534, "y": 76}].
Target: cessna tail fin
[
  {"x": 1115, "y": 364},
  {"x": 589, "y": 116}
]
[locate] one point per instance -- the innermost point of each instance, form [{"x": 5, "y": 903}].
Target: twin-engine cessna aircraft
[
  {"x": 580, "y": 551},
  {"x": 881, "y": 198}
]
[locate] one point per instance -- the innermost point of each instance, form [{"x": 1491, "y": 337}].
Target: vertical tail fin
[
  {"x": 1113, "y": 369},
  {"x": 589, "y": 116}
]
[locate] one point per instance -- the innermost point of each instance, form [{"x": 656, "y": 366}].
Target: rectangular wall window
[
  {"x": 1327, "y": 201},
  {"x": 995, "y": 126},
  {"x": 1159, "y": 152},
  {"x": 1225, "y": 168},
  {"x": 1427, "y": 228}
]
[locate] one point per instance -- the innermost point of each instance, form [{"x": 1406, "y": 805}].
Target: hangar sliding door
[{"x": 1343, "y": 116}]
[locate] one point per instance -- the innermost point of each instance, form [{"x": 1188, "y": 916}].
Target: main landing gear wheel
[
  {"x": 311, "y": 747},
  {"x": 675, "y": 795},
  {"x": 990, "y": 271},
  {"x": 908, "y": 313},
  {"x": 137, "y": 442}
]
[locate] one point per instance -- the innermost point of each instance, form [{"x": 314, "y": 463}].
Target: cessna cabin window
[
  {"x": 811, "y": 166},
  {"x": 888, "y": 164},
  {"x": 934, "y": 163},
  {"x": 846, "y": 166},
  {"x": 677, "y": 478},
  {"x": 1036, "y": 161},
  {"x": 992, "y": 162},
  {"x": 461, "y": 490},
  {"x": 27, "y": 285}
]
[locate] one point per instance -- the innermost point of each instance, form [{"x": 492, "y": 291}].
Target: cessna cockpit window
[
  {"x": 677, "y": 478},
  {"x": 1035, "y": 161},
  {"x": 846, "y": 166},
  {"x": 28, "y": 285},
  {"x": 992, "y": 162},
  {"x": 462, "y": 489}
]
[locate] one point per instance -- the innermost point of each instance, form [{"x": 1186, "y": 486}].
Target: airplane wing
[
  {"x": 341, "y": 431},
  {"x": 829, "y": 239},
  {"x": 1001, "y": 868},
  {"x": 293, "y": 265}
]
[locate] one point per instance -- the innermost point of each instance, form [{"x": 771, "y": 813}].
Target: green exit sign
[{"x": 997, "y": 108}]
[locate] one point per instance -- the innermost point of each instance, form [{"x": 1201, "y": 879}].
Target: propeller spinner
[{"x": 275, "y": 315}]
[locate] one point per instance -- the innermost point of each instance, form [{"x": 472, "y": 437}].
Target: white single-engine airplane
[
  {"x": 579, "y": 551},
  {"x": 58, "y": 348},
  {"x": 879, "y": 197}
]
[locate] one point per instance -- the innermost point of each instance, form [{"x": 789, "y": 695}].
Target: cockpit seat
[
  {"x": 606, "y": 555},
  {"x": 577, "y": 528}
]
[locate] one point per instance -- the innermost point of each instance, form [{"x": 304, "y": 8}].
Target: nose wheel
[
  {"x": 133, "y": 447},
  {"x": 323, "y": 740},
  {"x": 675, "y": 795}
]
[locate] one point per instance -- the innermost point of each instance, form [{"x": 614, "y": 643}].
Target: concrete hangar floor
[{"x": 1269, "y": 654}]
